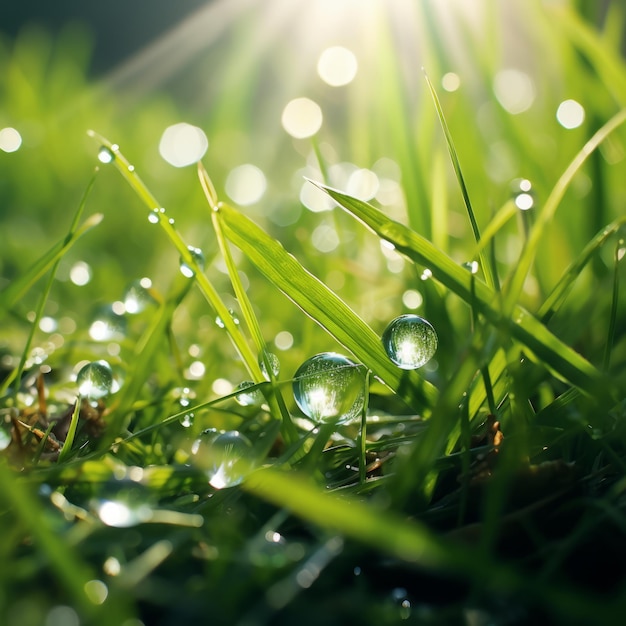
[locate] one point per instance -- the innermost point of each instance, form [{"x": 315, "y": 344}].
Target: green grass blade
[
  {"x": 524, "y": 327},
  {"x": 321, "y": 304},
  {"x": 485, "y": 263},
  {"x": 559, "y": 292},
  {"x": 20, "y": 286},
  {"x": 514, "y": 286}
]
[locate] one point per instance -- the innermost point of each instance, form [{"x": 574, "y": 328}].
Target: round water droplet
[
  {"x": 108, "y": 325},
  {"x": 471, "y": 266},
  {"x": 153, "y": 216},
  {"x": 95, "y": 380},
  {"x": 273, "y": 362},
  {"x": 105, "y": 155},
  {"x": 330, "y": 387},
  {"x": 123, "y": 503},
  {"x": 226, "y": 458},
  {"x": 197, "y": 256},
  {"x": 410, "y": 341},
  {"x": 137, "y": 296},
  {"x": 220, "y": 322},
  {"x": 251, "y": 397},
  {"x": 187, "y": 420}
]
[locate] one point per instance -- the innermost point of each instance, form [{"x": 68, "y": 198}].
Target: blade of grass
[
  {"x": 71, "y": 433},
  {"x": 619, "y": 251},
  {"x": 525, "y": 328},
  {"x": 559, "y": 292},
  {"x": 322, "y": 305},
  {"x": 515, "y": 284},
  {"x": 412, "y": 542},
  {"x": 485, "y": 263},
  {"x": 206, "y": 287},
  {"x": 275, "y": 399},
  {"x": 16, "y": 374}
]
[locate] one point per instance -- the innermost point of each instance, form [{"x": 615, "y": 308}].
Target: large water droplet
[
  {"x": 226, "y": 458},
  {"x": 105, "y": 155},
  {"x": 95, "y": 380},
  {"x": 107, "y": 326},
  {"x": 197, "y": 256},
  {"x": 410, "y": 341},
  {"x": 330, "y": 387}
]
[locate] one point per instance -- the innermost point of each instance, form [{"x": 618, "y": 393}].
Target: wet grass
[{"x": 485, "y": 487}]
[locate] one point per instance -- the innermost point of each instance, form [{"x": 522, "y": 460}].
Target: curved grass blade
[
  {"x": 485, "y": 262},
  {"x": 559, "y": 293},
  {"x": 322, "y": 305},
  {"x": 514, "y": 286},
  {"x": 523, "y": 326}
]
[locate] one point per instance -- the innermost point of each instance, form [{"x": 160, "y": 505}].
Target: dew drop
[
  {"x": 107, "y": 326},
  {"x": 153, "y": 216},
  {"x": 137, "y": 297},
  {"x": 410, "y": 341},
  {"x": 471, "y": 266},
  {"x": 197, "y": 255},
  {"x": 246, "y": 396},
  {"x": 225, "y": 457},
  {"x": 95, "y": 380},
  {"x": 274, "y": 364},
  {"x": 523, "y": 194},
  {"x": 329, "y": 387},
  {"x": 220, "y": 322},
  {"x": 105, "y": 155},
  {"x": 187, "y": 420},
  {"x": 123, "y": 503}
]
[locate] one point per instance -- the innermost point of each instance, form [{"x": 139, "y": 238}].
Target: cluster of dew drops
[{"x": 328, "y": 387}]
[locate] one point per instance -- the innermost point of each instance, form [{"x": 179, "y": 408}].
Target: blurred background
[{"x": 328, "y": 90}]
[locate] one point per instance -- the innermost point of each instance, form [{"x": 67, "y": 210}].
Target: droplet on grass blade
[
  {"x": 410, "y": 341},
  {"x": 95, "y": 380},
  {"x": 196, "y": 254},
  {"x": 137, "y": 297},
  {"x": 226, "y": 458},
  {"x": 329, "y": 387},
  {"x": 105, "y": 155}
]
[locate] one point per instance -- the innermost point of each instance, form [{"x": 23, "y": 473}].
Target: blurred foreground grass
[{"x": 107, "y": 513}]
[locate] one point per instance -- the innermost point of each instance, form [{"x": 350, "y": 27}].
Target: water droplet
[
  {"x": 273, "y": 362},
  {"x": 137, "y": 296},
  {"x": 330, "y": 388},
  {"x": 220, "y": 322},
  {"x": 187, "y": 420},
  {"x": 197, "y": 256},
  {"x": 95, "y": 380},
  {"x": 248, "y": 398},
  {"x": 108, "y": 325},
  {"x": 105, "y": 155},
  {"x": 225, "y": 458},
  {"x": 410, "y": 341},
  {"x": 153, "y": 216},
  {"x": 471, "y": 266},
  {"x": 123, "y": 503},
  {"x": 523, "y": 195}
]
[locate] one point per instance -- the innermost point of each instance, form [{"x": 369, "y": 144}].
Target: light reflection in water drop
[
  {"x": 410, "y": 341},
  {"x": 329, "y": 387}
]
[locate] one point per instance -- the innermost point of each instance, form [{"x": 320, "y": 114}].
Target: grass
[{"x": 487, "y": 486}]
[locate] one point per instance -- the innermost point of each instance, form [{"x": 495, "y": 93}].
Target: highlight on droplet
[
  {"x": 570, "y": 114},
  {"x": 302, "y": 118},
  {"x": 183, "y": 144},
  {"x": 337, "y": 66}
]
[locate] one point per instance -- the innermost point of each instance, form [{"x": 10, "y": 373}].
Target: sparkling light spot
[
  {"x": 337, "y": 66},
  {"x": 524, "y": 201},
  {"x": 302, "y": 118},
  {"x": 10, "y": 139},
  {"x": 570, "y": 114},
  {"x": 283, "y": 340},
  {"x": 450, "y": 81},
  {"x": 324, "y": 238},
  {"x": 80, "y": 274},
  {"x": 246, "y": 184},
  {"x": 183, "y": 144},
  {"x": 514, "y": 90},
  {"x": 412, "y": 299}
]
